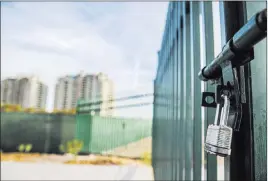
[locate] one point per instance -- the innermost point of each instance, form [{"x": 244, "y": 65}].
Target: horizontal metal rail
[
  {"x": 114, "y": 107},
  {"x": 113, "y": 100},
  {"x": 250, "y": 34}
]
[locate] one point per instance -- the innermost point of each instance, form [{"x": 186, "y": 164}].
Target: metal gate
[{"x": 194, "y": 34}]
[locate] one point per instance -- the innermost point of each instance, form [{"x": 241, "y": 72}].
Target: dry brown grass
[
  {"x": 103, "y": 160},
  {"x": 81, "y": 160},
  {"x": 19, "y": 157},
  {"x": 95, "y": 162}
]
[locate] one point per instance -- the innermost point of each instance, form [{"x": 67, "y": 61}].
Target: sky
[{"x": 52, "y": 39}]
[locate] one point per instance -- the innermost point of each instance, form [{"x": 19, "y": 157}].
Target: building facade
[
  {"x": 7, "y": 95},
  {"x": 106, "y": 94},
  {"x": 95, "y": 88},
  {"x": 28, "y": 92},
  {"x": 64, "y": 93}
]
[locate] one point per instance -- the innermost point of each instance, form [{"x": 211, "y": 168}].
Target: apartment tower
[
  {"x": 28, "y": 92},
  {"x": 89, "y": 87}
]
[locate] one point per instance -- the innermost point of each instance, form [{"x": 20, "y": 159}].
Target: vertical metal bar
[
  {"x": 196, "y": 87},
  {"x": 162, "y": 165},
  {"x": 177, "y": 128},
  {"x": 165, "y": 124},
  {"x": 208, "y": 44},
  {"x": 225, "y": 36},
  {"x": 180, "y": 98},
  {"x": 160, "y": 130},
  {"x": 155, "y": 138},
  {"x": 169, "y": 123},
  {"x": 177, "y": 90},
  {"x": 163, "y": 129},
  {"x": 166, "y": 84},
  {"x": 239, "y": 166},
  {"x": 175, "y": 93},
  {"x": 184, "y": 83},
  {"x": 190, "y": 92},
  {"x": 187, "y": 92},
  {"x": 154, "y": 125},
  {"x": 157, "y": 128},
  {"x": 169, "y": 109},
  {"x": 176, "y": 109},
  {"x": 171, "y": 85},
  {"x": 259, "y": 99}
]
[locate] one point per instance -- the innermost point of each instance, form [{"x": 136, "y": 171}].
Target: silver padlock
[{"x": 219, "y": 137}]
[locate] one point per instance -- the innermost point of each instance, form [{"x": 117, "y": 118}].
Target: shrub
[
  {"x": 21, "y": 147},
  {"x": 28, "y": 147},
  {"x": 11, "y": 108},
  {"x": 72, "y": 147},
  {"x": 147, "y": 158},
  {"x": 25, "y": 147}
]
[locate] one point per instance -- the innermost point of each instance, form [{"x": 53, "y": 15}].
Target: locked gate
[{"x": 210, "y": 93}]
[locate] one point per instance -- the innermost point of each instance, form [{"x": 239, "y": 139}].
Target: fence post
[
  {"x": 196, "y": 86},
  {"x": 208, "y": 56},
  {"x": 239, "y": 166}
]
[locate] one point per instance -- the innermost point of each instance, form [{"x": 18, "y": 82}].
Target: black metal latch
[{"x": 237, "y": 52}]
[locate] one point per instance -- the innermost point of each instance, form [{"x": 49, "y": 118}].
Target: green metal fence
[
  {"x": 44, "y": 131},
  {"x": 47, "y": 131},
  {"x": 177, "y": 133},
  {"x": 103, "y": 134},
  {"x": 194, "y": 35},
  {"x": 259, "y": 85}
]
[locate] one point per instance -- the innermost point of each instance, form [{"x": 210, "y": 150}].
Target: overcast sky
[{"x": 58, "y": 38}]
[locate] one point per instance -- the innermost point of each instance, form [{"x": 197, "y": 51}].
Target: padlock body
[{"x": 218, "y": 140}]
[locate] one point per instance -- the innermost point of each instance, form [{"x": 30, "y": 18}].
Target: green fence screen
[
  {"x": 47, "y": 131},
  {"x": 44, "y": 131},
  {"x": 102, "y": 134}
]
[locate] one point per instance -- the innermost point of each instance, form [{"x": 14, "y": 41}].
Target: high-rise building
[
  {"x": 29, "y": 92},
  {"x": 65, "y": 93},
  {"x": 106, "y": 91},
  {"x": 42, "y": 95},
  {"x": 8, "y": 95},
  {"x": 89, "y": 87}
]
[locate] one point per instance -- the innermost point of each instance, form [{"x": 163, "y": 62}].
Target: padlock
[{"x": 219, "y": 137}]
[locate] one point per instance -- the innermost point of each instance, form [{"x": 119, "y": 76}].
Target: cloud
[{"x": 51, "y": 39}]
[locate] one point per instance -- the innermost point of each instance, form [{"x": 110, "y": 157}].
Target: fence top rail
[
  {"x": 85, "y": 104},
  {"x": 120, "y": 118}
]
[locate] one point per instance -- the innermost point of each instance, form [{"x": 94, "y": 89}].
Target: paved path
[
  {"x": 135, "y": 149},
  {"x": 53, "y": 171}
]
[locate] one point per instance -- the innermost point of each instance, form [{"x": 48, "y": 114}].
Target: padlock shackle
[
  {"x": 225, "y": 110},
  {"x": 218, "y": 113}
]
